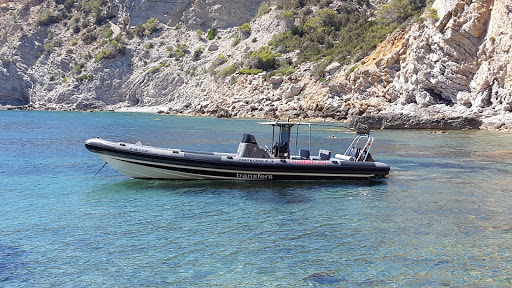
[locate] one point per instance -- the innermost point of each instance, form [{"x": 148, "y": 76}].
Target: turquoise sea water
[{"x": 443, "y": 217}]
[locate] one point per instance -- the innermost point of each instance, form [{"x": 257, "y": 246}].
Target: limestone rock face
[
  {"x": 220, "y": 13},
  {"x": 457, "y": 64},
  {"x": 134, "y": 12},
  {"x": 14, "y": 90},
  {"x": 202, "y": 14}
]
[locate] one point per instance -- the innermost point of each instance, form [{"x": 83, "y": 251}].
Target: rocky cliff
[
  {"x": 446, "y": 69},
  {"x": 452, "y": 65}
]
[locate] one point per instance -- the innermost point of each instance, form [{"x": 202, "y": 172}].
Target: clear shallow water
[{"x": 441, "y": 218}]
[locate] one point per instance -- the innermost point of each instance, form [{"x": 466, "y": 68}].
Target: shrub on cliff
[
  {"x": 246, "y": 27},
  {"x": 78, "y": 68},
  {"x": 107, "y": 31},
  {"x": 151, "y": 26},
  {"x": 229, "y": 70},
  {"x": 398, "y": 11},
  {"x": 432, "y": 13},
  {"x": 221, "y": 59},
  {"x": 107, "y": 53},
  {"x": 84, "y": 77},
  {"x": 236, "y": 39},
  {"x": 94, "y": 8},
  {"x": 48, "y": 17},
  {"x": 89, "y": 37},
  {"x": 346, "y": 34},
  {"x": 113, "y": 49},
  {"x": 297, "y": 4},
  {"x": 181, "y": 50},
  {"x": 212, "y": 32},
  {"x": 244, "y": 31},
  {"x": 198, "y": 52},
  {"x": 248, "y": 71},
  {"x": 263, "y": 58}
]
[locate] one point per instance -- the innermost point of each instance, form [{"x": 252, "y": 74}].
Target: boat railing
[{"x": 359, "y": 151}]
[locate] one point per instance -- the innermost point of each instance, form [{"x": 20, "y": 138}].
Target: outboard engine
[{"x": 249, "y": 148}]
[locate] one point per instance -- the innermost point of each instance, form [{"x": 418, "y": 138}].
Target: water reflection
[{"x": 279, "y": 192}]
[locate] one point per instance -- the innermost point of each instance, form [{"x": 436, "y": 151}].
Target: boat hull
[{"x": 147, "y": 162}]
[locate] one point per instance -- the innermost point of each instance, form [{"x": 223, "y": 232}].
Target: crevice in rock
[{"x": 438, "y": 97}]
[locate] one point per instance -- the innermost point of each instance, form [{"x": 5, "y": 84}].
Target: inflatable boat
[{"x": 250, "y": 162}]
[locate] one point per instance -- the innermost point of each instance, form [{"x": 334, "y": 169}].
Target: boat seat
[
  {"x": 344, "y": 157},
  {"x": 324, "y": 154},
  {"x": 304, "y": 153}
]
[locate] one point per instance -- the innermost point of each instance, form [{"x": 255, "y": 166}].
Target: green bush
[
  {"x": 76, "y": 28},
  {"x": 89, "y": 38},
  {"x": 236, "y": 40},
  {"x": 264, "y": 58},
  {"x": 432, "y": 13},
  {"x": 294, "y": 4},
  {"x": 248, "y": 71},
  {"x": 48, "y": 17},
  {"x": 105, "y": 54},
  {"x": 77, "y": 69},
  {"x": 346, "y": 36},
  {"x": 111, "y": 52},
  {"x": 154, "y": 70},
  {"x": 212, "y": 32},
  {"x": 181, "y": 49},
  {"x": 170, "y": 49},
  {"x": 84, "y": 77},
  {"x": 288, "y": 14},
  {"x": 107, "y": 31},
  {"x": 285, "y": 71},
  {"x": 221, "y": 59},
  {"x": 151, "y": 26},
  {"x": 246, "y": 27},
  {"x": 230, "y": 70},
  {"x": 48, "y": 47},
  {"x": 94, "y": 8},
  {"x": 398, "y": 11},
  {"x": 139, "y": 30},
  {"x": 198, "y": 53},
  {"x": 68, "y": 4},
  {"x": 129, "y": 34}
]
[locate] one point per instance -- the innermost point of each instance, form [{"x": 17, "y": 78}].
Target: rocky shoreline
[
  {"x": 374, "y": 122},
  {"x": 447, "y": 70}
]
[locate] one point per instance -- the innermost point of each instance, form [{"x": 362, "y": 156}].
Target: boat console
[{"x": 249, "y": 148}]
